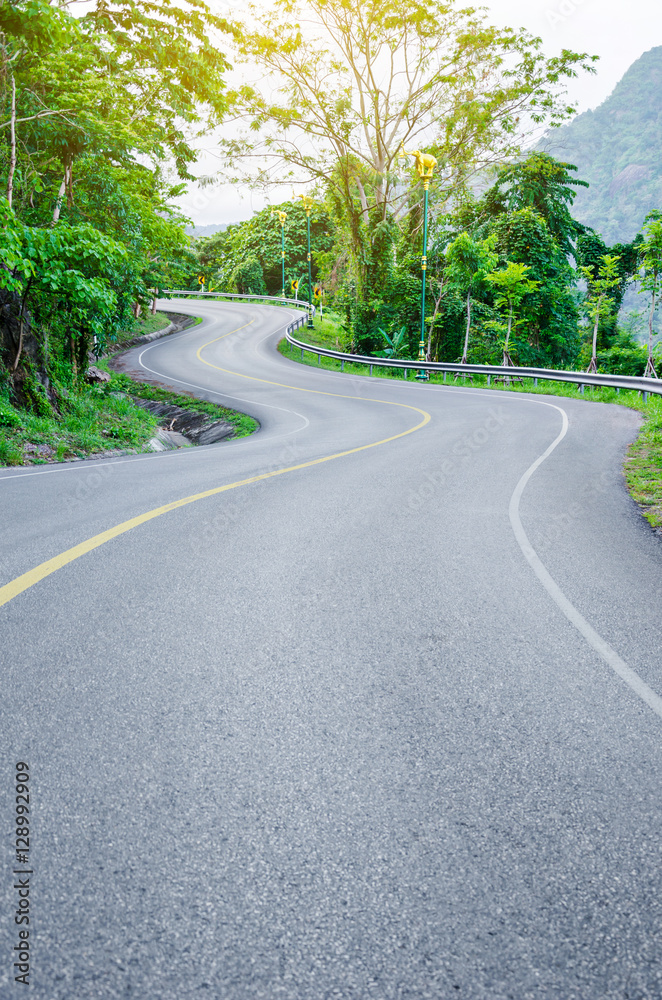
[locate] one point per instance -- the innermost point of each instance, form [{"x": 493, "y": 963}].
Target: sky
[{"x": 617, "y": 31}]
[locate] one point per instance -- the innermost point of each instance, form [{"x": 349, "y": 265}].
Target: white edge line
[
  {"x": 602, "y": 648},
  {"x": 221, "y": 395}
]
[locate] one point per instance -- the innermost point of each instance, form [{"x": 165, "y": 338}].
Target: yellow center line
[{"x": 11, "y": 590}]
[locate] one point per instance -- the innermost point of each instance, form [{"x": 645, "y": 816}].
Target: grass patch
[
  {"x": 98, "y": 419},
  {"x": 90, "y": 422},
  {"x": 141, "y": 327},
  {"x": 643, "y": 465},
  {"x": 242, "y": 423},
  {"x": 326, "y": 332}
]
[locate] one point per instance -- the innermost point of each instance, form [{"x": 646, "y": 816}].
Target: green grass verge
[
  {"x": 91, "y": 422},
  {"x": 141, "y": 327},
  {"x": 97, "y": 420},
  {"x": 643, "y": 465},
  {"x": 242, "y": 423}
]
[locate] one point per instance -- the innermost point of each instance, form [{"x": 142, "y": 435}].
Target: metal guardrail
[
  {"x": 273, "y": 300},
  {"x": 633, "y": 382}
]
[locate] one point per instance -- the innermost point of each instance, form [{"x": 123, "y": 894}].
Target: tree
[
  {"x": 524, "y": 237},
  {"x": 599, "y": 302},
  {"x": 512, "y": 285},
  {"x": 542, "y": 184},
  {"x": 591, "y": 250},
  {"x": 651, "y": 262},
  {"x": 96, "y": 109},
  {"x": 362, "y": 81},
  {"x": 469, "y": 263},
  {"x": 132, "y": 77},
  {"x": 259, "y": 239},
  {"x": 397, "y": 346}
]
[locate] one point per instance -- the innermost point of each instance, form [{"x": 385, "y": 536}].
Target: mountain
[
  {"x": 618, "y": 150},
  {"x": 196, "y": 232}
]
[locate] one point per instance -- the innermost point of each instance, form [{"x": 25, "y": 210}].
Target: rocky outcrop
[{"x": 196, "y": 427}]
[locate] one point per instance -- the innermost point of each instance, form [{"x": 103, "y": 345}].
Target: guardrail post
[
  {"x": 371, "y": 369},
  {"x": 581, "y": 389},
  {"x": 319, "y": 359},
  {"x": 644, "y": 397},
  {"x": 535, "y": 383},
  {"x": 445, "y": 373},
  {"x": 405, "y": 373},
  {"x": 489, "y": 380},
  {"x": 342, "y": 365},
  {"x": 302, "y": 353}
]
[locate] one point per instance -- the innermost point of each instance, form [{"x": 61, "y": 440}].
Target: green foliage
[
  {"x": 542, "y": 184},
  {"x": 106, "y": 104},
  {"x": 601, "y": 279},
  {"x": 91, "y": 422},
  {"x": 523, "y": 237},
  {"x": 512, "y": 286},
  {"x": 341, "y": 118},
  {"x": 248, "y": 254},
  {"x": 397, "y": 346},
  {"x": 624, "y": 357},
  {"x": 651, "y": 262},
  {"x": 80, "y": 284}
]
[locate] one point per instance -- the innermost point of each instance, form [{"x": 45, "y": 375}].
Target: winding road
[{"x": 365, "y": 706}]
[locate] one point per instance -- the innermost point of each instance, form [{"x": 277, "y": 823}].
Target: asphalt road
[{"x": 372, "y": 716}]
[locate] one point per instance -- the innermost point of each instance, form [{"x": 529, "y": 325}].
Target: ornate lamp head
[
  {"x": 307, "y": 203},
  {"x": 425, "y": 162}
]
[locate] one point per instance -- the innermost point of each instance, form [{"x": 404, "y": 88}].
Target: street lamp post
[
  {"x": 282, "y": 216},
  {"x": 425, "y": 164},
  {"x": 308, "y": 204}
]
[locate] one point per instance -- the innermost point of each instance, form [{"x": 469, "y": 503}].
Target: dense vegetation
[
  {"x": 98, "y": 116},
  {"x": 510, "y": 273}
]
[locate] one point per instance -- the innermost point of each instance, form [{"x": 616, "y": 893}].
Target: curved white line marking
[
  {"x": 221, "y": 395},
  {"x": 602, "y": 648}
]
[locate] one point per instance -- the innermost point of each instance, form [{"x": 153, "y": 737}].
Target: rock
[
  {"x": 95, "y": 374},
  {"x": 197, "y": 427},
  {"x": 41, "y": 450},
  {"x": 167, "y": 441}
]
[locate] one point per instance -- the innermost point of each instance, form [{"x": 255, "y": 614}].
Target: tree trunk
[
  {"x": 362, "y": 198},
  {"x": 510, "y": 326},
  {"x": 61, "y": 193},
  {"x": 466, "y": 338},
  {"x": 593, "y": 366},
  {"x": 12, "y": 141},
  {"x": 21, "y": 326},
  {"x": 650, "y": 320}
]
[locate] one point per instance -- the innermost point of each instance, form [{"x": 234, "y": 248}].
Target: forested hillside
[{"x": 618, "y": 150}]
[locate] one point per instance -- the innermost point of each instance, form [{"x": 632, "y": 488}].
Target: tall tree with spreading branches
[{"x": 345, "y": 86}]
